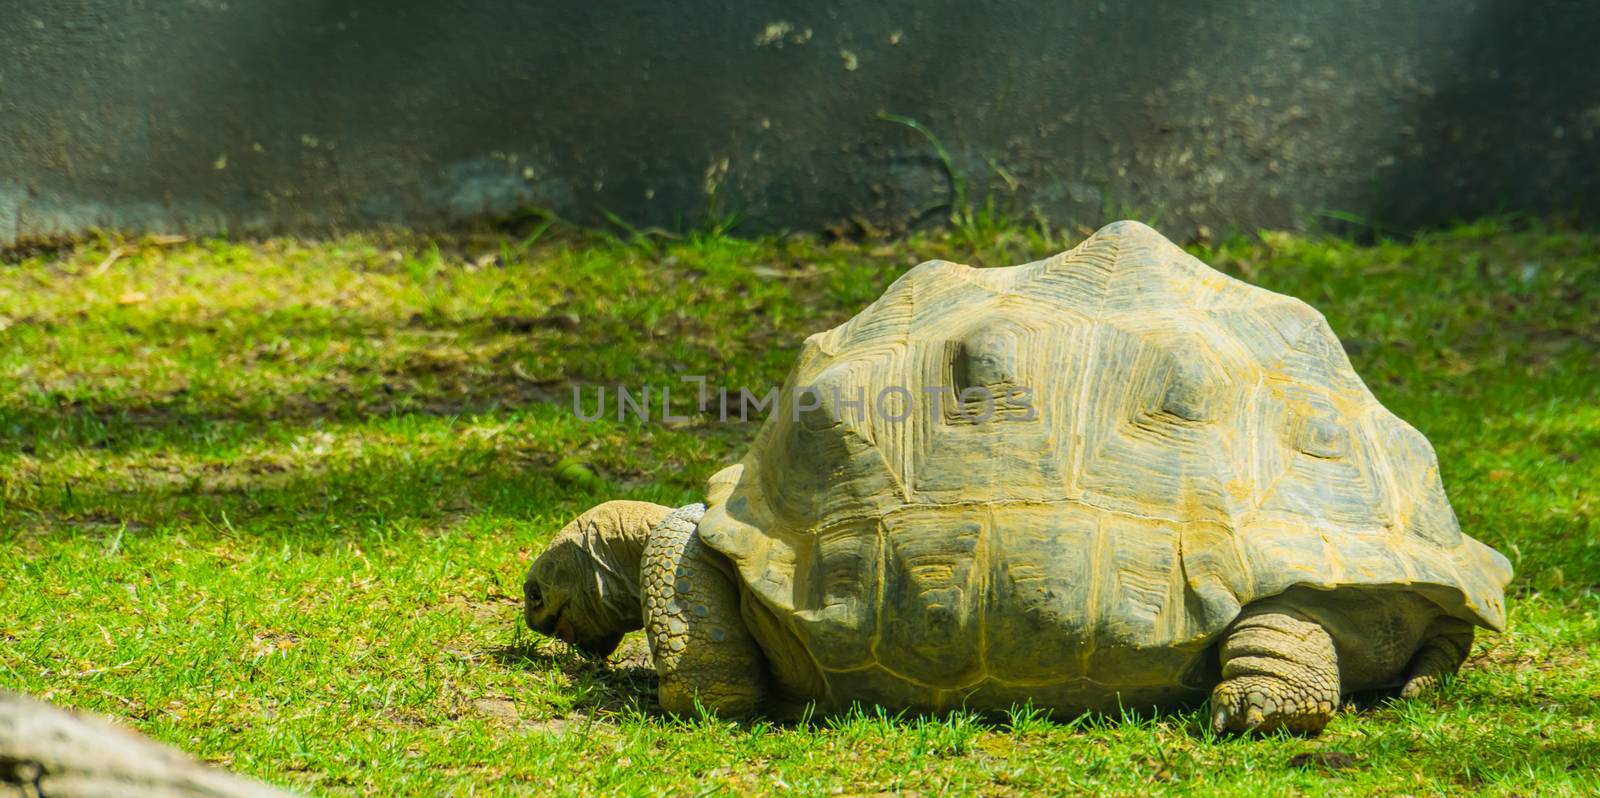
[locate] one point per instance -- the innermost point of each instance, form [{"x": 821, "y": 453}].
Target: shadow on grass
[
  {"x": 623, "y": 687},
  {"x": 178, "y": 424},
  {"x": 368, "y": 367},
  {"x": 376, "y": 495}
]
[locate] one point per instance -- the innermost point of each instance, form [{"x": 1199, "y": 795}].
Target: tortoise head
[{"x": 584, "y": 588}]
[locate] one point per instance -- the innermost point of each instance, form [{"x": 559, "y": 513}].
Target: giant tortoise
[{"x": 1113, "y": 479}]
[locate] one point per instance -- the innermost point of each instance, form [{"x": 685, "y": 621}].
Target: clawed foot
[
  {"x": 1438, "y": 659},
  {"x": 1264, "y": 704},
  {"x": 1421, "y": 685}
]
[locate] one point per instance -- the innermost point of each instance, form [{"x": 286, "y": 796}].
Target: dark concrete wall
[{"x": 310, "y": 115}]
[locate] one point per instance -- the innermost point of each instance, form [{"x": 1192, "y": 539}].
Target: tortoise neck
[
  {"x": 614, "y": 539},
  {"x": 617, "y": 553}
]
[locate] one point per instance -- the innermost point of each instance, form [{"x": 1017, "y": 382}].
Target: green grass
[{"x": 272, "y": 503}]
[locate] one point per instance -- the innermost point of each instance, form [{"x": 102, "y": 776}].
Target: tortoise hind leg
[
  {"x": 1439, "y": 658},
  {"x": 703, "y": 654},
  {"x": 1279, "y": 671}
]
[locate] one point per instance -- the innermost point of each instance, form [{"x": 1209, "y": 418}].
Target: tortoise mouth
[
  {"x": 559, "y": 626},
  {"x": 598, "y": 647},
  {"x": 563, "y": 629}
]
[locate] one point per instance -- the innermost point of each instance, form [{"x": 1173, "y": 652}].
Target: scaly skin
[
  {"x": 1279, "y": 671},
  {"x": 1281, "y": 667},
  {"x": 1439, "y": 658},
  {"x": 700, "y": 645}
]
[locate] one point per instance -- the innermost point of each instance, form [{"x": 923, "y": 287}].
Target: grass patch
[{"x": 272, "y": 503}]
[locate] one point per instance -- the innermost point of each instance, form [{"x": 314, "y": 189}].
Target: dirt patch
[{"x": 497, "y": 709}]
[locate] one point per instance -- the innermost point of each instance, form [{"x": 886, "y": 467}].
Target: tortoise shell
[{"x": 1060, "y": 470}]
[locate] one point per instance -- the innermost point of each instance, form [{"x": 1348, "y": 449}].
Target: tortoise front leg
[
  {"x": 1279, "y": 671},
  {"x": 700, "y": 645}
]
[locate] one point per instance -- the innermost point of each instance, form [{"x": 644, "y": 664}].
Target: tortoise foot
[
  {"x": 1265, "y": 704},
  {"x": 1279, "y": 671}
]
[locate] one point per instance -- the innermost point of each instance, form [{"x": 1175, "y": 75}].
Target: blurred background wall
[{"x": 255, "y": 116}]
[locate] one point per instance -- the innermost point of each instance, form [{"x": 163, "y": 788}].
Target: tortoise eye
[{"x": 533, "y": 595}]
